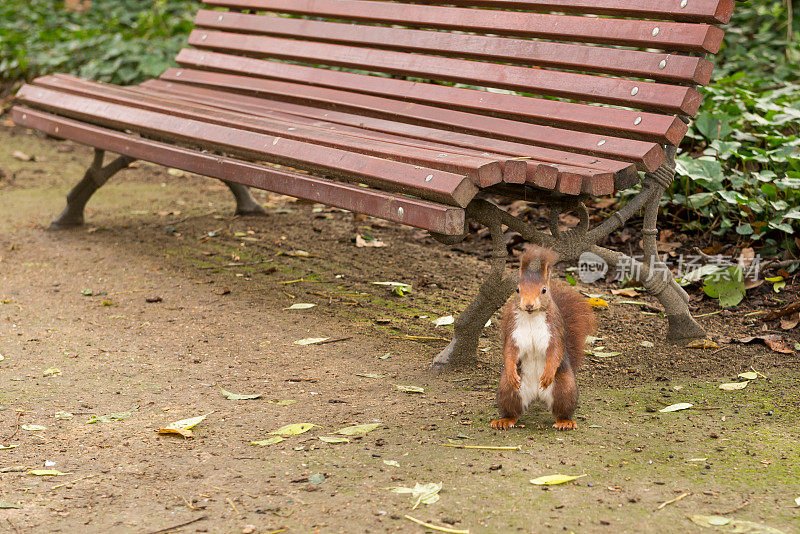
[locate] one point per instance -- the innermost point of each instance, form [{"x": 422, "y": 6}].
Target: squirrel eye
[
  {"x": 517, "y": 290},
  {"x": 544, "y": 290}
]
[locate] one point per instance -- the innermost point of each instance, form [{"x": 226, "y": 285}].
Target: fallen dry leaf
[
  {"x": 311, "y": 341},
  {"x": 410, "y": 389},
  {"x": 598, "y": 303},
  {"x": 676, "y": 407},
  {"x": 551, "y": 480},
  {"x": 728, "y": 524},
  {"x": 774, "y": 341},
  {"x": 627, "y": 292},
  {"x": 268, "y": 441},
  {"x": 22, "y": 156},
  {"x": 368, "y": 243},
  {"x": 301, "y": 306},
  {"x": 333, "y": 439},
  {"x": 183, "y": 427},
  {"x": 444, "y": 321},
  {"x": 732, "y": 386},
  {"x": 787, "y": 323},
  {"x": 294, "y": 429},
  {"x": 235, "y": 396},
  {"x": 358, "y": 430}
]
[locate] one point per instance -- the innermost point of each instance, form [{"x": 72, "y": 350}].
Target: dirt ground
[{"x": 221, "y": 322}]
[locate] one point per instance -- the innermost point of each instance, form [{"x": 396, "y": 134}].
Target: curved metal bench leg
[
  {"x": 245, "y": 203},
  {"x": 492, "y": 295},
  {"x": 96, "y": 176}
]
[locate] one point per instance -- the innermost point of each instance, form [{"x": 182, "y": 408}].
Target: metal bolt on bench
[{"x": 421, "y": 103}]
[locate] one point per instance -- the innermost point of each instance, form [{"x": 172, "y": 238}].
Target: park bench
[{"x": 420, "y": 114}]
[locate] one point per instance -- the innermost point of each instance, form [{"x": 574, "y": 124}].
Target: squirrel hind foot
[
  {"x": 504, "y": 423},
  {"x": 565, "y": 424}
]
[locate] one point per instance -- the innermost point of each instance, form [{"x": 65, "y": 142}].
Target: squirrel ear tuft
[{"x": 541, "y": 259}]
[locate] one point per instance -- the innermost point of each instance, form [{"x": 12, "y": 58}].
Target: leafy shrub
[
  {"x": 118, "y": 41},
  {"x": 740, "y": 172}
]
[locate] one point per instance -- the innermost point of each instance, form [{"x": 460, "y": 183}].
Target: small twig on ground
[
  {"x": 420, "y": 338},
  {"x": 484, "y": 447},
  {"x": 168, "y": 529},
  {"x": 676, "y": 499},
  {"x": 707, "y": 314},
  {"x": 736, "y": 509},
  {"x": 73, "y": 482},
  {"x": 287, "y": 282},
  {"x": 189, "y": 504},
  {"x": 212, "y": 212},
  {"x": 13, "y": 526},
  {"x": 434, "y": 527},
  {"x": 230, "y": 502},
  {"x": 338, "y": 339}
]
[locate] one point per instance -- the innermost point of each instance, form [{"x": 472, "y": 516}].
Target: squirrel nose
[{"x": 530, "y": 308}]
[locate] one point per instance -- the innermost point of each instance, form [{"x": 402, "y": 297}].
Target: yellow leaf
[
  {"x": 358, "y": 430},
  {"x": 293, "y": 430},
  {"x": 269, "y": 441},
  {"x": 333, "y": 439},
  {"x": 183, "y": 427},
  {"x": 311, "y": 340},
  {"x": 732, "y": 386},
  {"x": 702, "y": 344},
  {"x": 676, "y": 407},
  {"x": 598, "y": 303},
  {"x": 551, "y": 480},
  {"x": 749, "y": 375}
]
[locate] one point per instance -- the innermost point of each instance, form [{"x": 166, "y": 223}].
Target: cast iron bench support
[
  {"x": 570, "y": 244},
  {"x": 97, "y": 175}
]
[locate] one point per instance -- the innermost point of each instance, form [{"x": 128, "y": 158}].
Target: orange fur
[{"x": 569, "y": 320}]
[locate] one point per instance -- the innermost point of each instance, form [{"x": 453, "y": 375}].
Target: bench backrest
[{"x": 609, "y": 78}]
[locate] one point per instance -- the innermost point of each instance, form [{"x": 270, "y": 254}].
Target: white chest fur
[{"x": 532, "y": 337}]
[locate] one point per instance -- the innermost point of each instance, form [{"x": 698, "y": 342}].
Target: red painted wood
[
  {"x": 437, "y": 218},
  {"x": 710, "y": 11},
  {"x": 584, "y": 87},
  {"x": 624, "y": 174},
  {"x": 430, "y": 184},
  {"x": 648, "y": 155},
  {"x": 678, "y": 36},
  {"x": 483, "y": 170},
  {"x": 662, "y": 129},
  {"x": 633, "y": 63}
]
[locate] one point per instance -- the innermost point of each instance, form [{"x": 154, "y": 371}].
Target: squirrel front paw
[
  {"x": 512, "y": 377},
  {"x": 547, "y": 379}
]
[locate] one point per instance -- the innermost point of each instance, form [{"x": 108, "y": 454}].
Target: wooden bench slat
[
  {"x": 430, "y": 184},
  {"x": 430, "y": 216},
  {"x": 624, "y": 175},
  {"x": 678, "y": 36},
  {"x": 647, "y": 155},
  {"x": 483, "y": 170},
  {"x": 634, "y": 63},
  {"x": 584, "y": 87},
  {"x": 643, "y": 125},
  {"x": 710, "y": 11},
  {"x": 569, "y": 180}
]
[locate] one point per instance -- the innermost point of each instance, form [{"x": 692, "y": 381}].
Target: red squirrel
[{"x": 544, "y": 333}]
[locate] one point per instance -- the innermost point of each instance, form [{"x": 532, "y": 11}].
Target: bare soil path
[{"x": 222, "y": 285}]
